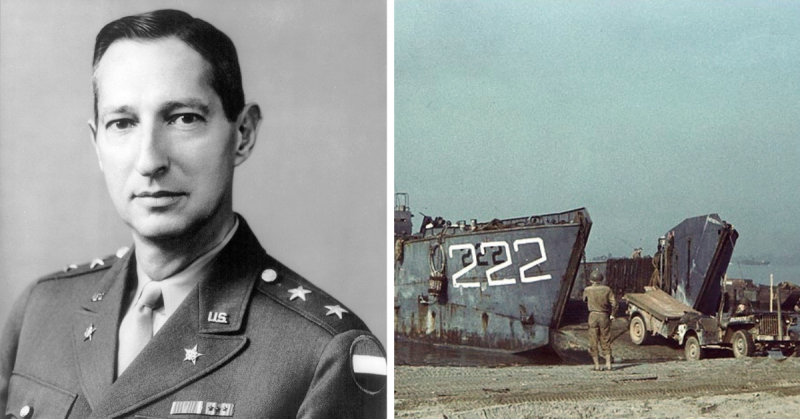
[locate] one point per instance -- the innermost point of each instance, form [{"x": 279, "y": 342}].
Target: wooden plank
[{"x": 659, "y": 304}]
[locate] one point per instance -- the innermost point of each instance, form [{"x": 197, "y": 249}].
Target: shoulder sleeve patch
[{"x": 368, "y": 364}]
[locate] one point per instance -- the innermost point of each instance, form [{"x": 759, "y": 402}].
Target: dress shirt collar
[{"x": 176, "y": 287}]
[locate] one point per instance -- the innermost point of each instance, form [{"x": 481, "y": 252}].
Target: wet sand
[
  {"x": 653, "y": 381},
  {"x": 723, "y": 387},
  {"x": 569, "y": 343}
]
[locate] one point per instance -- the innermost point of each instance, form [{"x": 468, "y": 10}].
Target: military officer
[
  {"x": 195, "y": 319},
  {"x": 602, "y": 306}
]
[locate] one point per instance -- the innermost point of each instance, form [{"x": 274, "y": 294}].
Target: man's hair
[{"x": 214, "y": 46}]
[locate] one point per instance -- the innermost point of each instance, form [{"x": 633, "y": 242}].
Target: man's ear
[
  {"x": 247, "y": 125},
  {"x": 93, "y": 129}
]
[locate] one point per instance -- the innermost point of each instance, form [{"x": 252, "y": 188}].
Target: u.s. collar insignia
[
  {"x": 201, "y": 408},
  {"x": 218, "y": 317}
]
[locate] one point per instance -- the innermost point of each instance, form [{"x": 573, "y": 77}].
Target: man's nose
[{"x": 153, "y": 159}]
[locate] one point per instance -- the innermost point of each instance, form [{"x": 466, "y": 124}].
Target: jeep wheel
[
  {"x": 742, "y": 344},
  {"x": 692, "y": 349},
  {"x": 638, "y": 331}
]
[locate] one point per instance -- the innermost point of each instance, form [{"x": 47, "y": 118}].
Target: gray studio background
[{"x": 314, "y": 190}]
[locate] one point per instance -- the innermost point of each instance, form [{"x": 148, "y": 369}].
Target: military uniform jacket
[
  {"x": 600, "y": 298},
  {"x": 250, "y": 341}
]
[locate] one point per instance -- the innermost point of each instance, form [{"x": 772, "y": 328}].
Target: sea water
[{"x": 760, "y": 273}]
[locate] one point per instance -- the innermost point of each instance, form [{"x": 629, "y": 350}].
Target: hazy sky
[{"x": 643, "y": 112}]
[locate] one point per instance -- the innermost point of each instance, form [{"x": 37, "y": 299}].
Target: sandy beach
[{"x": 713, "y": 388}]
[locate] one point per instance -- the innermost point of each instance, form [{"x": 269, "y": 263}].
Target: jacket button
[
  {"x": 269, "y": 275},
  {"x": 26, "y": 411}
]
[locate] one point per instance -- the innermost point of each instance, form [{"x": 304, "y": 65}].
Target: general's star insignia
[
  {"x": 298, "y": 292},
  {"x": 337, "y": 310},
  {"x": 87, "y": 334},
  {"x": 192, "y": 355}
]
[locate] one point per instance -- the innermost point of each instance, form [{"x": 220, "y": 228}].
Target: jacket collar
[
  {"x": 227, "y": 289},
  {"x": 94, "y": 328},
  {"x": 162, "y": 367}
]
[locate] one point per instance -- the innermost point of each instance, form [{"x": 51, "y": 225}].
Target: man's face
[{"x": 165, "y": 147}]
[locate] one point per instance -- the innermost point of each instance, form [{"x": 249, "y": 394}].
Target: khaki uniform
[
  {"x": 602, "y": 304},
  {"x": 655, "y": 278}
]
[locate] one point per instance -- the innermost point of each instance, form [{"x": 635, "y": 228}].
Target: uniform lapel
[
  {"x": 94, "y": 329},
  {"x": 165, "y": 364},
  {"x": 162, "y": 366}
]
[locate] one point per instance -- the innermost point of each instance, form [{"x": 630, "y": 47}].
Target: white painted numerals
[
  {"x": 489, "y": 272},
  {"x": 499, "y": 265},
  {"x": 536, "y": 262},
  {"x": 470, "y": 248}
]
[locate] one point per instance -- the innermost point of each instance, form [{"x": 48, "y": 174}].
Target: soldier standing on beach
[{"x": 602, "y": 306}]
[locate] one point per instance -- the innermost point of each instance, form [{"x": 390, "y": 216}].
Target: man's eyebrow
[
  {"x": 197, "y": 104},
  {"x": 113, "y": 109}
]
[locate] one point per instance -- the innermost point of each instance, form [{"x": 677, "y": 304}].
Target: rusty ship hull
[{"x": 501, "y": 285}]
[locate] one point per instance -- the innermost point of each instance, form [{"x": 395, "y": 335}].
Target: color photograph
[{"x": 594, "y": 209}]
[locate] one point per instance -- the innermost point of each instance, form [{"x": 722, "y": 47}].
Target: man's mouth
[
  {"x": 157, "y": 194},
  {"x": 155, "y": 199}
]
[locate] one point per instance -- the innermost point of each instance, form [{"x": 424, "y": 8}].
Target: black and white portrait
[{"x": 135, "y": 158}]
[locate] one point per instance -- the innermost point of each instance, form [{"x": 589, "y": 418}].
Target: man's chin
[
  {"x": 172, "y": 226},
  {"x": 160, "y": 229}
]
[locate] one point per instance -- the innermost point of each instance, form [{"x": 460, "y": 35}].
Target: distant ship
[
  {"x": 754, "y": 262},
  {"x": 501, "y": 284}
]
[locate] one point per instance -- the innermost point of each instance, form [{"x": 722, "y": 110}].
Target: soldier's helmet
[{"x": 596, "y": 277}]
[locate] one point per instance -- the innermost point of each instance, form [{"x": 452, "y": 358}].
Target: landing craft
[
  {"x": 708, "y": 310},
  {"x": 687, "y": 270},
  {"x": 500, "y": 285},
  {"x": 690, "y": 260}
]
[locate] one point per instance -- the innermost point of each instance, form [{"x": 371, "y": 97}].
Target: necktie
[{"x": 136, "y": 328}]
